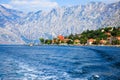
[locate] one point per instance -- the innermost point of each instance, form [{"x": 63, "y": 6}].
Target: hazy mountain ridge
[{"x": 64, "y": 20}]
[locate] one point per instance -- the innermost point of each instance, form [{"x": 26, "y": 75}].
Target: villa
[{"x": 90, "y": 41}]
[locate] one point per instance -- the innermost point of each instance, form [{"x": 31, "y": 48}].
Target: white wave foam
[{"x": 28, "y": 71}]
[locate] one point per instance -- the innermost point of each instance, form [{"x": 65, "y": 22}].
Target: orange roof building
[
  {"x": 118, "y": 38},
  {"x": 103, "y": 41},
  {"x": 66, "y": 40},
  {"x": 61, "y": 38},
  {"x": 77, "y": 41},
  {"x": 90, "y": 41},
  {"x": 108, "y": 34}
]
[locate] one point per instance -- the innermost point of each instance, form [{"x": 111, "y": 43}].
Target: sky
[{"x": 35, "y": 5}]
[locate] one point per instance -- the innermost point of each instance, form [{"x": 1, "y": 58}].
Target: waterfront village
[{"x": 103, "y": 36}]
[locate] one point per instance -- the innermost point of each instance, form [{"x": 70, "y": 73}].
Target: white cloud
[{"x": 32, "y": 5}]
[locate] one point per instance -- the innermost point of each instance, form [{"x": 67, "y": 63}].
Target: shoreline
[{"x": 56, "y": 45}]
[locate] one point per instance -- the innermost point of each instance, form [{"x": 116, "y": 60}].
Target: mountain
[
  {"x": 8, "y": 18},
  {"x": 17, "y": 27}
]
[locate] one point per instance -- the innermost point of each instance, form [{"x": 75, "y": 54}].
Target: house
[
  {"x": 108, "y": 34},
  {"x": 103, "y": 41},
  {"x": 66, "y": 40},
  {"x": 90, "y": 41},
  {"x": 53, "y": 41},
  {"x": 76, "y": 41},
  {"x": 118, "y": 38},
  {"x": 61, "y": 38}
]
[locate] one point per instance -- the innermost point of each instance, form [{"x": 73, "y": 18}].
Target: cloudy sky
[{"x": 35, "y": 5}]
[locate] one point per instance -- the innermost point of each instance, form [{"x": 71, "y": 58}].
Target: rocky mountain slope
[{"x": 17, "y": 27}]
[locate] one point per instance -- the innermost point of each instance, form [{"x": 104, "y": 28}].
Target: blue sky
[{"x": 35, "y": 5}]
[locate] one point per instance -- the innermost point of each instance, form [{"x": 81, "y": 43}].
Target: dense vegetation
[{"x": 110, "y": 35}]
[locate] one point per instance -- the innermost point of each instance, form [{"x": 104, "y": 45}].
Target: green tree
[
  {"x": 48, "y": 41},
  {"x": 76, "y": 36},
  {"x": 102, "y": 36},
  {"x": 71, "y": 36},
  {"x": 97, "y": 41},
  {"x": 116, "y": 42},
  {"x": 70, "y": 42},
  {"x": 83, "y": 40},
  {"x": 42, "y": 40}
]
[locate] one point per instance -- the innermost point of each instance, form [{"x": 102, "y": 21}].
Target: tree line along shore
[{"x": 103, "y": 36}]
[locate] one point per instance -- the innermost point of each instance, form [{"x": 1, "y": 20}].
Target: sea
[{"x": 20, "y": 62}]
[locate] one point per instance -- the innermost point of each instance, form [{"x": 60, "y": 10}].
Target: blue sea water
[{"x": 59, "y": 63}]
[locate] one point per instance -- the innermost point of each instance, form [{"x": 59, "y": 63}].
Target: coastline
[
  {"x": 76, "y": 45},
  {"x": 56, "y": 45}
]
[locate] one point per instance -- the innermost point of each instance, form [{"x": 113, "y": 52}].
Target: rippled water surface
[{"x": 59, "y": 63}]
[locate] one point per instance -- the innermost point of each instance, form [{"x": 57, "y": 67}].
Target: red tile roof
[
  {"x": 61, "y": 37},
  {"x": 91, "y": 40},
  {"x": 103, "y": 41}
]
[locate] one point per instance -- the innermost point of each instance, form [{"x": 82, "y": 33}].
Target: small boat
[{"x": 31, "y": 44}]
